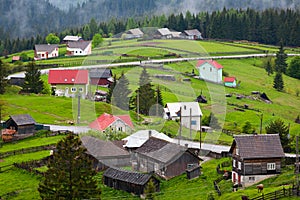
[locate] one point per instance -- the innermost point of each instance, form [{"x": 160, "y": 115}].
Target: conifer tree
[
  {"x": 3, "y": 75},
  {"x": 33, "y": 82},
  {"x": 111, "y": 89},
  {"x": 70, "y": 173},
  {"x": 120, "y": 96},
  {"x": 150, "y": 190},
  {"x": 268, "y": 67},
  {"x": 159, "y": 101},
  {"x": 280, "y": 61},
  {"x": 278, "y": 82}
]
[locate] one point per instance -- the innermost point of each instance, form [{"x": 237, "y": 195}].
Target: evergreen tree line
[{"x": 268, "y": 27}]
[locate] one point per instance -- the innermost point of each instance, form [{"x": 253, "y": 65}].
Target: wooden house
[
  {"x": 193, "y": 34},
  {"x": 23, "y": 124},
  {"x": 210, "y": 70},
  {"x": 230, "y": 82},
  {"x": 129, "y": 181},
  {"x": 45, "y": 51},
  {"x": 163, "y": 33},
  {"x": 165, "y": 159},
  {"x": 69, "y": 83},
  {"x": 80, "y": 48},
  {"x": 102, "y": 77},
  {"x": 109, "y": 122},
  {"x": 134, "y": 33},
  {"x": 105, "y": 153},
  {"x": 188, "y": 113},
  {"x": 255, "y": 156}
]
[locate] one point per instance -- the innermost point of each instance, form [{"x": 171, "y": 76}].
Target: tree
[
  {"x": 294, "y": 68},
  {"x": 247, "y": 128},
  {"x": 3, "y": 79},
  {"x": 278, "y": 127},
  {"x": 111, "y": 89},
  {"x": 97, "y": 40},
  {"x": 70, "y": 173},
  {"x": 120, "y": 96},
  {"x": 278, "y": 82},
  {"x": 150, "y": 190},
  {"x": 280, "y": 60},
  {"x": 145, "y": 93},
  {"x": 33, "y": 82},
  {"x": 211, "y": 121},
  {"x": 52, "y": 39},
  {"x": 268, "y": 66}
]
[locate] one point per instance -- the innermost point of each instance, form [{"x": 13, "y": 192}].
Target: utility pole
[
  {"x": 190, "y": 123},
  {"x": 297, "y": 161},
  {"x": 261, "y": 120},
  {"x": 78, "y": 110},
  {"x": 200, "y": 135},
  {"x": 138, "y": 105},
  {"x": 180, "y": 128}
]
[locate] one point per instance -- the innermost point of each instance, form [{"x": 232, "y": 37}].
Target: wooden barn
[
  {"x": 105, "y": 153},
  {"x": 128, "y": 181},
  {"x": 23, "y": 124},
  {"x": 165, "y": 159},
  {"x": 255, "y": 156},
  {"x": 101, "y": 77}
]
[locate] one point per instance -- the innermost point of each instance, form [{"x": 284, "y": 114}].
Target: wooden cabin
[
  {"x": 129, "y": 181},
  {"x": 23, "y": 124},
  {"x": 255, "y": 156}
]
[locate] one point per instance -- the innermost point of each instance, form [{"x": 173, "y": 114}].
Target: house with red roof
[
  {"x": 210, "y": 70},
  {"x": 109, "y": 122},
  {"x": 69, "y": 83},
  {"x": 230, "y": 81}
]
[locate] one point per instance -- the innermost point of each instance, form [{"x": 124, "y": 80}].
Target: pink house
[
  {"x": 210, "y": 70},
  {"x": 109, "y": 122}
]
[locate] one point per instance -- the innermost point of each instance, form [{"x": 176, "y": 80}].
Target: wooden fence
[
  {"x": 292, "y": 191},
  {"x": 27, "y": 150},
  {"x": 5, "y": 168}
]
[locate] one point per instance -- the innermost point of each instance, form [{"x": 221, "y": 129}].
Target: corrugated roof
[
  {"x": 23, "y": 119},
  {"x": 229, "y": 79},
  {"x": 68, "y": 77},
  {"x": 258, "y": 146},
  {"x": 135, "y": 31},
  {"x": 100, "y": 73},
  {"x": 127, "y": 176},
  {"x": 211, "y": 62},
  {"x": 174, "y": 109},
  {"x": 72, "y": 38},
  {"x": 164, "y": 31},
  {"x": 79, "y": 45},
  {"x": 101, "y": 149},
  {"x": 192, "y": 32},
  {"x": 105, "y": 120},
  {"x": 45, "y": 47}
]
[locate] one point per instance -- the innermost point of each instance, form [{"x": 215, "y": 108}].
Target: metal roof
[
  {"x": 23, "y": 119},
  {"x": 45, "y": 47}
]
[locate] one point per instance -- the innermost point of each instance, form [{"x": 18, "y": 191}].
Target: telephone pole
[{"x": 78, "y": 110}]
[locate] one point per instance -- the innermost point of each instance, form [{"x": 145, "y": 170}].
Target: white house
[
  {"x": 210, "y": 70},
  {"x": 80, "y": 48},
  {"x": 189, "y": 112},
  {"x": 45, "y": 51}
]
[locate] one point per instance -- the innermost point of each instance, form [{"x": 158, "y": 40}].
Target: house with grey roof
[
  {"x": 101, "y": 76},
  {"x": 255, "y": 157},
  {"x": 193, "y": 34},
  {"x": 163, "y": 33},
  {"x": 129, "y": 181},
  {"x": 163, "y": 158},
  {"x": 105, "y": 153},
  {"x": 189, "y": 113},
  {"x": 23, "y": 124},
  {"x": 45, "y": 51},
  {"x": 134, "y": 33},
  {"x": 80, "y": 48}
]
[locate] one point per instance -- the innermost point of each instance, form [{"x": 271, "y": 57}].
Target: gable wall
[{"x": 210, "y": 73}]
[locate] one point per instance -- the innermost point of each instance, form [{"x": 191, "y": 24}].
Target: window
[
  {"x": 73, "y": 79},
  {"x": 237, "y": 151},
  {"x": 66, "y": 80},
  {"x": 73, "y": 89},
  {"x": 239, "y": 165},
  {"x": 251, "y": 178},
  {"x": 210, "y": 69},
  {"x": 271, "y": 166},
  {"x": 80, "y": 89},
  {"x": 234, "y": 163},
  {"x": 120, "y": 129}
]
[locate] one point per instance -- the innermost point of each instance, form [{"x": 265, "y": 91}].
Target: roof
[
  {"x": 258, "y": 146},
  {"x": 192, "y": 32},
  {"x": 174, "y": 109},
  {"x": 45, "y": 47},
  {"x": 229, "y": 79},
  {"x": 72, "y": 38},
  {"x": 102, "y": 149},
  {"x": 105, "y": 120},
  {"x": 79, "y": 45},
  {"x": 68, "y": 77},
  {"x": 152, "y": 144},
  {"x": 23, "y": 119},
  {"x": 167, "y": 154},
  {"x": 100, "y": 73},
  {"x": 211, "y": 62},
  {"x": 127, "y": 176},
  {"x": 135, "y": 31},
  {"x": 140, "y": 137},
  {"x": 164, "y": 31},
  {"x": 16, "y": 58}
]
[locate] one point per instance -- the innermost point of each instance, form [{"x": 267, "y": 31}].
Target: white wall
[{"x": 210, "y": 73}]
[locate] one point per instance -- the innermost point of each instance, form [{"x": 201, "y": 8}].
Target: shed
[
  {"x": 23, "y": 123},
  {"x": 101, "y": 77},
  {"x": 230, "y": 82},
  {"x": 129, "y": 181}
]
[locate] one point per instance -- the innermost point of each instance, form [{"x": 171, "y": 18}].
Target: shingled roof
[
  {"x": 127, "y": 176},
  {"x": 102, "y": 149},
  {"x": 79, "y": 45},
  {"x": 45, "y": 47},
  {"x": 23, "y": 119},
  {"x": 152, "y": 144},
  {"x": 100, "y": 73},
  {"x": 258, "y": 146}
]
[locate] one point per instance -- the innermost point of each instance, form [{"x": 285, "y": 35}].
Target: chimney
[
  {"x": 186, "y": 145},
  {"x": 149, "y": 133}
]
